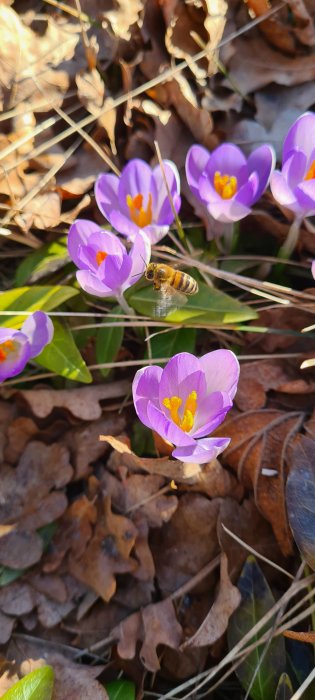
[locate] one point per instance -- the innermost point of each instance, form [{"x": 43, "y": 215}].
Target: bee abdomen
[{"x": 185, "y": 283}]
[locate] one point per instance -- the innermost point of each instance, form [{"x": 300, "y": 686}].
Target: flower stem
[
  {"x": 125, "y": 307},
  {"x": 291, "y": 239}
]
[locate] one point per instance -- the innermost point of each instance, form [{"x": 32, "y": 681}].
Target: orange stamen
[
  {"x": 5, "y": 348},
  {"x": 310, "y": 175},
  {"x": 100, "y": 256},
  {"x": 140, "y": 216},
  {"x": 225, "y": 185}
]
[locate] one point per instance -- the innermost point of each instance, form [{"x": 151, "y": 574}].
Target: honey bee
[{"x": 173, "y": 286}]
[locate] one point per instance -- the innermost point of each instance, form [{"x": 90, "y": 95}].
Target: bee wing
[{"x": 169, "y": 299}]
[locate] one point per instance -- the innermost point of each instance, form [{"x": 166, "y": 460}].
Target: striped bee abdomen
[{"x": 185, "y": 283}]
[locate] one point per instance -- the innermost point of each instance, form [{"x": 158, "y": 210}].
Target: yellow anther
[
  {"x": 140, "y": 216},
  {"x": 100, "y": 256},
  {"x": 174, "y": 403},
  {"x": 310, "y": 175},
  {"x": 225, "y": 185}
]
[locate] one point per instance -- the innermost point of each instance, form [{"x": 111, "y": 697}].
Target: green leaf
[
  {"x": 284, "y": 689},
  {"x": 37, "y": 685},
  {"x": 9, "y": 575},
  {"x": 47, "y": 259},
  {"x": 63, "y": 357},
  {"x": 142, "y": 442},
  {"x": 32, "y": 299},
  {"x": 120, "y": 690},
  {"x": 174, "y": 341},
  {"x": 257, "y": 599},
  {"x": 108, "y": 341},
  {"x": 208, "y": 307}
]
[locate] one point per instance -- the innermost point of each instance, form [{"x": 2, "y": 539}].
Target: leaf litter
[{"x": 107, "y": 556}]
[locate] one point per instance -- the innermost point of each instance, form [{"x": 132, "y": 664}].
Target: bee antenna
[{"x": 144, "y": 263}]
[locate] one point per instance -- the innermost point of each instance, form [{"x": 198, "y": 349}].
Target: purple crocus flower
[
  {"x": 138, "y": 199},
  {"x": 225, "y": 181},
  {"x": 187, "y": 400},
  {"x": 313, "y": 269},
  {"x": 294, "y": 185},
  {"x": 18, "y": 347},
  {"x": 106, "y": 269}
]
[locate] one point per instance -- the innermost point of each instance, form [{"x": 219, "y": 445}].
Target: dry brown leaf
[
  {"x": 84, "y": 444},
  {"x": 43, "y": 212},
  {"x": 140, "y": 488},
  {"x": 216, "y": 622},
  {"x": 50, "y": 612},
  {"x": 26, "y": 58},
  {"x": 83, "y": 403},
  {"x": 26, "y": 490},
  {"x": 146, "y": 568},
  {"x": 19, "y": 433},
  {"x": 205, "y": 20},
  {"x": 75, "y": 682},
  {"x": 72, "y": 681},
  {"x": 259, "y": 440},
  {"x": 49, "y": 585},
  {"x": 208, "y": 478},
  {"x": 17, "y": 599},
  {"x": 153, "y": 625},
  {"x": 19, "y": 550},
  {"x": 255, "y": 64},
  {"x": 187, "y": 543},
  {"x": 107, "y": 553},
  {"x": 245, "y": 521},
  {"x": 256, "y": 379},
  {"x": 75, "y": 532},
  {"x": 91, "y": 90},
  {"x": 6, "y": 627}
]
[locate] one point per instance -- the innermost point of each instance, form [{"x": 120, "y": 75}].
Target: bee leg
[{"x": 157, "y": 285}]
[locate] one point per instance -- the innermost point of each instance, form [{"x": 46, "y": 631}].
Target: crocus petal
[
  {"x": 210, "y": 414},
  {"x": 108, "y": 242},
  {"x": 166, "y": 428},
  {"x": 162, "y": 209},
  {"x": 145, "y": 388},
  {"x": 122, "y": 223},
  {"x": 228, "y": 210},
  {"x": 281, "y": 190},
  {"x": 305, "y": 195},
  {"x": 228, "y": 159},
  {"x": 106, "y": 194},
  {"x": 205, "y": 450},
  {"x": 39, "y": 330},
  {"x": 221, "y": 368},
  {"x": 139, "y": 255},
  {"x": 135, "y": 179},
  {"x": 247, "y": 194},
  {"x": 92, "y": 284},
  {"x": 313, "y": 269},
  {"x": 176, "y": 372},
  {"x": 78, "y": 235},
  {"x": 196, "y": 161},
  {"x": 117, "y": 272},
  {"x": 301, "y": 136},
  {"x": 293, "y": 169},
  {"x": 262, "y": 161},
  {"x": 154, "y": 233},
  {"x": 18, "y": 358}
]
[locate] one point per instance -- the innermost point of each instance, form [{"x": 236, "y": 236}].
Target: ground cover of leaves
[{"x": 111, "y": 562}]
